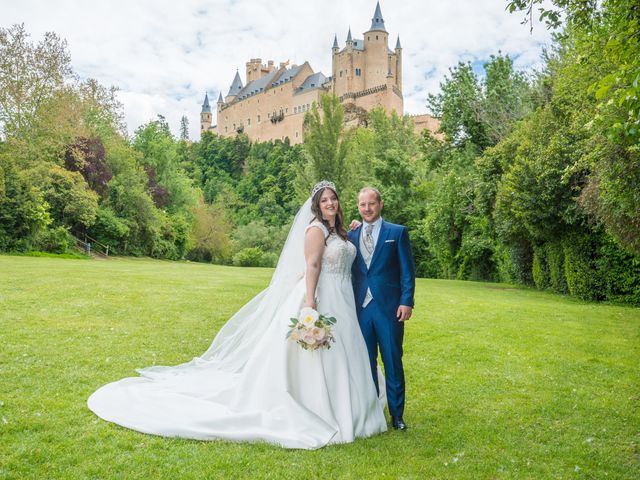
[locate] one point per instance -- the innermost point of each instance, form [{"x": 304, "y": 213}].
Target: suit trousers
[{"x": 381, "y": 331}]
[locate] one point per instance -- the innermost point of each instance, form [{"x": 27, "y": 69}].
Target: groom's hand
[
  {"x": 354, "y": 224},
  {"x": 404, "y": 313}
]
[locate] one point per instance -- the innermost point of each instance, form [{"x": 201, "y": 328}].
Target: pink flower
[
  {"x": 295, "y": 336},
  {"x": 308, "y": 338},
  {"x": 318, "y": 333}
]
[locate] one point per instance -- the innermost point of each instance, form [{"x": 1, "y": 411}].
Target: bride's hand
[
  {"x": 354, "y": 224},
  {"x": 313, "y": 305}
]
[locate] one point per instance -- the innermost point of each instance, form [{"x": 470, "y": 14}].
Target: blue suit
[{"x": 391, "y": 278}]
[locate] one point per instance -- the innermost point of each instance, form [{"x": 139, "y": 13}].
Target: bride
[{"x": 254, "y": 385}]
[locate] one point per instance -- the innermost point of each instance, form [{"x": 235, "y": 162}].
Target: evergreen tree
[{"x": 184, "y": 128}]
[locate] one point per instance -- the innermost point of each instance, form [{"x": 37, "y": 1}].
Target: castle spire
[
  {"x": 377, "y": 22},
  {"x": 335, "y": 42},
  {"x": 398, "y": 46},
  {"x": 236, "y": 85},
  {"x": 349, "y": 39},
  {"x": 206, "y": 108},
  {"x": 220, "y": 100}
]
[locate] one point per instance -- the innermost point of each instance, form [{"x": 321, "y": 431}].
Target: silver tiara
[{"x": 323, "y": 184}]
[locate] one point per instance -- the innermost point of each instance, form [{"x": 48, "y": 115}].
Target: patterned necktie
[{"x": 368, "y": 238}]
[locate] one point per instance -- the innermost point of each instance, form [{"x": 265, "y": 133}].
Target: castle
[{"x": 272, "y": 104}]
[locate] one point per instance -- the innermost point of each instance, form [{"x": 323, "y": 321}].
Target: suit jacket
[{"x": 391, "y": 273}]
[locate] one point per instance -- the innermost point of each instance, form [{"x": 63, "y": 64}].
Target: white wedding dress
[{"x": 252, "y": 384}]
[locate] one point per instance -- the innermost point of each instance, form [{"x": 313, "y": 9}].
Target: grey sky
[{"x": 164, "y": 55}]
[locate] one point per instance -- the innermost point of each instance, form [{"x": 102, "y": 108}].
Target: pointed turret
[
  {"x": 205, "y": 114},
  {"x": 206, "y": 108},
  {"x": 349, "y": 39},
  {"x": 236, "y": 86},
  {"x": 220, "y": 100},
  {"x": 335, "y": 42},
  {"x": 398, "y": 46},
  {"x": 377, "y": 22}
]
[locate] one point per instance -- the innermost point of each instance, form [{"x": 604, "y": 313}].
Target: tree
[
  {"x": 29, "y": 74},
  {"x": 458, "y": 105},
  {"x": 599, "y": 51},
  {"x": 481, "y": 112},
  {"x": 325, "y": 144},
  {"x": 169, "y": 185},
  {"x": 87, "y": 156},
  {"x": 184, "y": 128},
  {"x": 209, "y": 234}
]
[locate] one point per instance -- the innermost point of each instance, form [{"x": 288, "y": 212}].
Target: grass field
[{"x": 502, "y": 382}]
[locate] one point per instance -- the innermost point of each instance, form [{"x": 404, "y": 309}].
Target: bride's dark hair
[{"x": 317, "y": 214}]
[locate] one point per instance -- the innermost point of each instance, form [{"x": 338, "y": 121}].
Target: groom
[{"x": 383, "y": 278}]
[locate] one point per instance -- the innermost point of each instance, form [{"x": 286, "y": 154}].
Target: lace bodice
[{"x": 338, "y": 254}]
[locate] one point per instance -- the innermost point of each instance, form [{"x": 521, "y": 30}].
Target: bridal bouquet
[{"x": 311, "y": 330}]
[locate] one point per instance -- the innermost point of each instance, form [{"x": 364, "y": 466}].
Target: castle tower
[
  {"x": 376, "y": 46},
  {"x": 398, "y": 64},
  {"x": 334, "y": 52},
  {"x": 205, "y": 114}
]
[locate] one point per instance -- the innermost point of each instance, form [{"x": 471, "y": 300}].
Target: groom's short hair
[{"x": 371, "y": 189}]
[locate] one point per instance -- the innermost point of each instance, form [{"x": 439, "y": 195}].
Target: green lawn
[{"x": 502, "y": 382}]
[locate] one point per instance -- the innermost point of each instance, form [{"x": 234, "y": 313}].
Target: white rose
[{"x": 308, "y": 316}]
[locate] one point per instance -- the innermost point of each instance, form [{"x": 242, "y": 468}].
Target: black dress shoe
[{"x": 398, "y": 423}]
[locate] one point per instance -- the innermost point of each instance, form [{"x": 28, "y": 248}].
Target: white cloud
[{"x": 163, "y": 55}]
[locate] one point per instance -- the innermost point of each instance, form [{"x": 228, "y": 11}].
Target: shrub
[
  {"x": 110, "y": 229},
  {"x": 254, "y": 257},
  {"x": 581, "y": 274},
  {"x": 619, "y": 272},
  {"x": 55, "y": 240},
  {"x": 540, "y": 268},
  {"x": 514, "y": 262},
  {"x": 555, "y": 263}
]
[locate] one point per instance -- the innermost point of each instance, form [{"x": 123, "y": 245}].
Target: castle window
[
  {"x": 358, "y": 72},
  {"x": 376, "y": 37},
  {"x": 225, "y": 129},
  {"x": 296, "y": 134},
  {"x": 368, "y": 38},
  {"x": 286, "y": 110},
  {"x": 248, "y": 121},
  {"x": 340, "y": 72},
  {"x": 258, "y": 118}
]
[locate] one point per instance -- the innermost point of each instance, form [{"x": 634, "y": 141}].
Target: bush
[
  {"x": 555, "y": 263},
  {"x": 257, "y": 234},
  {"x": 254, "y": 257},
  {"x": 110, "y": 229},
  {"x": 56, "y": 240},
  {"x": 582, "y": 276},
  {"x": 619, "y": 272},
  {"x": 540, "y": 268},
  {"x": 514, "y": 263}
]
